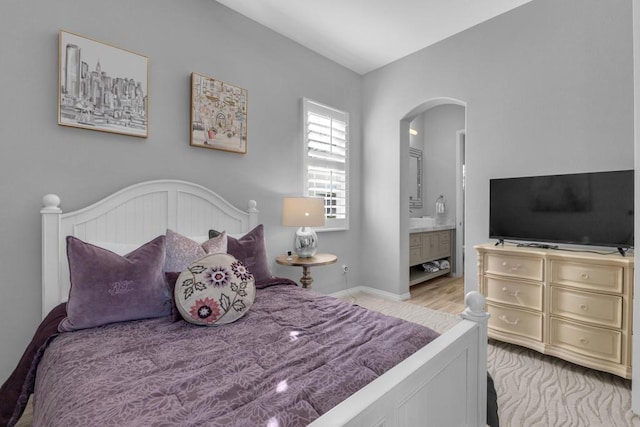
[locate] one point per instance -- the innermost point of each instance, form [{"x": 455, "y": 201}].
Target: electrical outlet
[{"x": 345, "y": 267}]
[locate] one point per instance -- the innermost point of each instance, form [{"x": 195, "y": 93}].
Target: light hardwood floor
[{"x": 442, "y": 294}]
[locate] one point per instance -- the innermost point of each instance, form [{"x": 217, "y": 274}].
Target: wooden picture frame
[
  {"x": 102, "y": 87},
  {"x": 218, "y": 115}
]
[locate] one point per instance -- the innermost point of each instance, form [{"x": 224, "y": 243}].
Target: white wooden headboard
[{"x": 134, "y": 215}]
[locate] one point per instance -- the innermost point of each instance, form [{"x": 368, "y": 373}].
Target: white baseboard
[{"x": 372, "y": 291}]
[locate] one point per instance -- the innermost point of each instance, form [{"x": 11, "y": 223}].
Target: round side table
[{"x": 306, "y": 263}]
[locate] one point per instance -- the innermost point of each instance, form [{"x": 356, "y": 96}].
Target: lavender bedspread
[
  {"x": 15, "y": 391},
  {"x": 294, "y": 356}
]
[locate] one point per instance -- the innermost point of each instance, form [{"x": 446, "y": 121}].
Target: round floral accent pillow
[{"x": 214, "y": 290}]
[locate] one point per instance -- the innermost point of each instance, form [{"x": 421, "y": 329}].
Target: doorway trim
[
  {"x": 404, "y": 176},
  {"x": 458, "y": 270}
]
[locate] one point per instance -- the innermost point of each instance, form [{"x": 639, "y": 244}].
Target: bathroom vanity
[{"x": 428, "y": 243}]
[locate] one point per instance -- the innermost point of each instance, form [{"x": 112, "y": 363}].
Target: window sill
[{"x": 322, "y": 230}]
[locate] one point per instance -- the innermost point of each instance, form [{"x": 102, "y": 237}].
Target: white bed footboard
[
  {"x": 132, "y": 216},
  {"x": 442, "y": 384}
]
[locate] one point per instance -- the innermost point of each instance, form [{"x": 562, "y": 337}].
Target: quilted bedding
[{"x": 294, "y": 356}]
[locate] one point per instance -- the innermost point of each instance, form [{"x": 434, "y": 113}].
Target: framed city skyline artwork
[
  {"x": 102, "y": 87},
  {"x": 218, "y": 115}
]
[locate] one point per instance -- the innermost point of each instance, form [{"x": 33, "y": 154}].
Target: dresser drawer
[
  {"x": 515, "y": 321},
  {"x": 605, "y": 310},
  {"x": 514, "y": 266},
  {"x": 415, "y": 239},
  {"x": 585, "y": 340},
  {"x": 587, "y": 276},
  {"x": 522, "y": 294}
]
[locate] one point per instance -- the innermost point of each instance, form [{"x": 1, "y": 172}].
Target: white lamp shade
[{"x": 303, "y": 212}]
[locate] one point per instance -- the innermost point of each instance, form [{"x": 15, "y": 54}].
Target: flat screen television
[{"x": 582, "y": 209}]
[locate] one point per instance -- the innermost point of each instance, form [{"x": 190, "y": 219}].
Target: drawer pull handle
[
  {"x": 584, "y": 276},
  {"x": 505, "y": 319},
  {"x": 584, "y": 307},
  {"x": 583, "y": 341},
  {"x": 511, "y": 293}
]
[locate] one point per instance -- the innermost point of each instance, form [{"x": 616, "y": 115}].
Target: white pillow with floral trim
[{"x": 214, "y": 290}]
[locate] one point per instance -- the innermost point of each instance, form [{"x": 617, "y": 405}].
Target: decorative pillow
[
  {"x": 251, "y": 250},
  {"x": 171, "y": 277},
  {"x": 182, "y": 251},
  {"x": 108, "y": 288},
  {"x": 118, "y": 248},
  {"x": 216, "y": 233},
  {"x": 215, "y": 290}
]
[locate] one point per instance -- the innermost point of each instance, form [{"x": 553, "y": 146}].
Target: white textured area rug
[{"x": 533, "y": 389}]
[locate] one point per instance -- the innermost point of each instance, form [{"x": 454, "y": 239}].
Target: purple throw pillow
[
  {"x": 108, "y": 288},
  {"x": 171, "y": 277},
  {"x": 182, "y": 251},
  {"x": 251, "y": 250}
]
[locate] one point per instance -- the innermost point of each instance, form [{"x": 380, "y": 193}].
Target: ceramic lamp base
[{"x": 305, "y": 242}]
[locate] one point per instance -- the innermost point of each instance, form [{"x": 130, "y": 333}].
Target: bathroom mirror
[{"x": 415, "y": 178}]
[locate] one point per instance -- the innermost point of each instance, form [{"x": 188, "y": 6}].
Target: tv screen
[{"x": 584, "y": 209}]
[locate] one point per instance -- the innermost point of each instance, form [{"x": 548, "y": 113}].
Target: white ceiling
[{"x": 364, "y": 35}]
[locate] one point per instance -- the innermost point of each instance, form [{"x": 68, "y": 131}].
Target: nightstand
[{"x": 306, "y": 263}]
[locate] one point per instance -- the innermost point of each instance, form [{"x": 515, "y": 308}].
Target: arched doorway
[{"x": 437, "y": 129}]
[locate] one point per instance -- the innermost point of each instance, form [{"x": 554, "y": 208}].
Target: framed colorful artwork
[
  {"x": 218, "y": 115},
  {"x": 102, "y": 87}
]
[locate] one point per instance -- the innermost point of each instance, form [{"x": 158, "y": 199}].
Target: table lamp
[{"x": 303, "y": 212}]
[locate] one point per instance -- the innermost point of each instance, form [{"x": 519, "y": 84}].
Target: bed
[{"x": 440, "y": 383}]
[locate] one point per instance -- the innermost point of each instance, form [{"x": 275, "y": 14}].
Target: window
[{"x": 326, "y": 174}]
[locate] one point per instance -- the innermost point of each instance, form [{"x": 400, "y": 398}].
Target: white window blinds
[{"x": 326, "y": 160}]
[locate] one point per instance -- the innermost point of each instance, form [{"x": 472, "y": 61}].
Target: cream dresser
[{"x": 573, "y": 305}]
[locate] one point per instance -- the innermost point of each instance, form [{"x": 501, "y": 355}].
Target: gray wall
[
  {"x": 82, "y": 166},
  {"x": 548, "y": 89},
  {"x": 440, "y": 126},
  {"x": 436, "y": 137}
]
